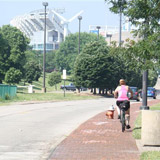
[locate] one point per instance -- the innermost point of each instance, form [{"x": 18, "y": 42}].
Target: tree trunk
[
  {"x": 100, "y": 90},
  {"x": 94, "y": 91},
  {"x": 56, "y": 87},
  {"x": 106, "y": 92}
]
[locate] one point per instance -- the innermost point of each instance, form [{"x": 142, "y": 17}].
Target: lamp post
[
  {"x": 45, "y": 4},
  {"x": 110, "y": 36},
  {"x": 98, "y": 27},
  {"x": 79, "y": 18},
  {"x": 120, "y": 3},
  {"x": 120, "y": 24}
]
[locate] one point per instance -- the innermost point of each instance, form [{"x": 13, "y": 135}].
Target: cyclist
[{"x": 121, "y": 93}]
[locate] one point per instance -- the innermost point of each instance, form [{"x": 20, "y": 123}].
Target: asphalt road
[{"x": 32, "y": 131}]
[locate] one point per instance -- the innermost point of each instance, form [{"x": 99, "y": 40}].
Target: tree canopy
[
  {"x": 32, "y": 71},
  {"x": 93, "y": 67},
  {"x": 54, "y": 79},
  {"x": 68, "y": 51},
  {"x": 12, "y": 50},
  {"x": 144, "y": 14}
]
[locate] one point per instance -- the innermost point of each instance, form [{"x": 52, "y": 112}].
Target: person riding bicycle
[{"x": 121, "y": 94}]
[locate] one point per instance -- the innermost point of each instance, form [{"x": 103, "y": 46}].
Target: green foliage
[
  {"x": 18, "y": 43},
  {"x": 4, "y": 54},
  {"x": 117, "y": 5},
  {"x": 124, "y": 68},
  {"x": 32, "y": 72},
  {"x": 54, "y": 78},
  {"x": 150, "y": 155},
  {"x": 129, "y": 66},
  {"x": 138, "y": 122},
  {"x": 68, "y": 51},
  {"x": 51, "y": 61},
  {"x": 13, "y": 76},
  {"x": 12, "y": 48},
  {"x": 35, "y": 56},
  {"x": 144, "y": 14},
  {"x": 137, "y": 127},
  {"x": 93, "y": 67},
  {"x": 7, "y": 97}
]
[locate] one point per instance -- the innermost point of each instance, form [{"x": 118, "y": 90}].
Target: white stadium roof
[{"x": 34, "y": 22}]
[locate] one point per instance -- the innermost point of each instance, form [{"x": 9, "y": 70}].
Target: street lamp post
[
  {"x": 144, "y": 91},
  {"x": 120, "y": 25},
  {"x": 110, "y": 36},
  {"x": 120, "y": 3},
  {"x": 98, "y": 27},
  {"x": 45, "y": 4},
  {"x": 79, "y": 18}
]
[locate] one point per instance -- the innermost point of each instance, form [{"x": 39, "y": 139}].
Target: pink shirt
[{"x": 122, "y": 94}]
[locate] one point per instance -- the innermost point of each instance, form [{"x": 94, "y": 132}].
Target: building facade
[{"x": 32, "y": 25}]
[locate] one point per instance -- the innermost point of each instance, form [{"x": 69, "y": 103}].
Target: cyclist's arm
[
  {"x": 129, "y": 90},
  {"x": 116, "y": 93}
]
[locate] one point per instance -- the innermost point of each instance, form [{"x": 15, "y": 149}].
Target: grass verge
[
  {"x": 26, "y": 97},
  {"x": 150, "y": 155}
]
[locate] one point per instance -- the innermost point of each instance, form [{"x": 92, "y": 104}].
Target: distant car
[
  {"x": 151, "y": 92},
  {"x": 135, "y": 93},
  {"x": 70, "y": 87}
]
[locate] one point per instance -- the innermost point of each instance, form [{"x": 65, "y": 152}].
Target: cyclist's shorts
[{"x": 126, "y": 103}]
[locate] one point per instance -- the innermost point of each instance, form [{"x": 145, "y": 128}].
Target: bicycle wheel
[{"x": 123, "y": 120}]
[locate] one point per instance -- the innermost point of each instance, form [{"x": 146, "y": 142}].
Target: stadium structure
[{"x": 32, "y": 25}]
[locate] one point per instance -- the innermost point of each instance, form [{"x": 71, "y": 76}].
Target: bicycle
[{"x": 123, "y": 108}]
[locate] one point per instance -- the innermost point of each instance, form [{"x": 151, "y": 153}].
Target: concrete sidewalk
[{"x": 100, "y": 138}]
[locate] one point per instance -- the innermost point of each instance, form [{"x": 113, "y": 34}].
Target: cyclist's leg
[
  {"x": 118, "y": 109},
  {"x": 127, "y": 115}
]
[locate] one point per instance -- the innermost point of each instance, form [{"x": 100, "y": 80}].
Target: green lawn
[
  {"x": 137, "y": 125},
  {"x": 52, "y": 93},
  {"x": 30, "y": 97},
  {"x": 151, "y": 155},
  {"x": 39, "y": 84},
  {"x": 137, "y": 135}
]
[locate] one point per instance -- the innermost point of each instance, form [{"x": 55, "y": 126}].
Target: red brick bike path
[{"x": 100, "y": 138}]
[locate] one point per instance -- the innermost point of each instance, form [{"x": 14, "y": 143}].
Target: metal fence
[{"x": 7, "y": 90}]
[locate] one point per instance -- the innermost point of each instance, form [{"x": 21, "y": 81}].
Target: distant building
[
  {"x": 32, "y": 25},
  {"x": 111, "y": 33}
]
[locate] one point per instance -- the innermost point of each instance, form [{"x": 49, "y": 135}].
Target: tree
[
  {"x": 13, "y": 53},
  {"x": 32, "y": 72},
  {"x": 54, "y": 79},
  {"x": 145, "y": 15},
  {"x": 50, "y": 61},
  {"x": 4, "y": 54},
  {"x": 124, "y": 69},
  {"x": 68, "y": 51},
  {"x": 129, "y": 65},
  {"x": 13, "y": 76},
  {"x": 93, "y": 67}
]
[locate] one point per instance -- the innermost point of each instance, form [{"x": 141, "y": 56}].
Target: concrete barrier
[{"x": 150, "y": 127}]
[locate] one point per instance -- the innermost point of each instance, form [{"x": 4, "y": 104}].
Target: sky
[{"x": 96, "y": 12}]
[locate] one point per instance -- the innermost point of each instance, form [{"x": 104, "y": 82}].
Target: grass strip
[
  {"x": 31, "y": 97},
  {"x": 150, "y": 155}
]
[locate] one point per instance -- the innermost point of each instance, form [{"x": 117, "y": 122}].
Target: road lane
[{"x": 32, "y": 131}]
